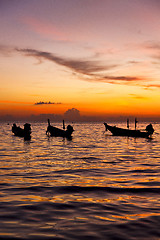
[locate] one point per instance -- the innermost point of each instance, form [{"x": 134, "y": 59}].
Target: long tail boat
[
  {"x": 57, "y": 132},
  {"x": 20, "y": 132},
  {"x": 116, "y": 131}
]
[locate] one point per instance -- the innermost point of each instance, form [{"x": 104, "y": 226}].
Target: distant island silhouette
[{"x": 74, "y": 115}]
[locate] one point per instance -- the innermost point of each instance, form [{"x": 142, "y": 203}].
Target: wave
[{"x": 79, "y": 189}]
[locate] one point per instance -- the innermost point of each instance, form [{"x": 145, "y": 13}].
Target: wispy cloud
[
  {"x": 152, "y": 45},
  {"x": 148, "y": 86},
  {"x": 87, "y": 70},
  {"x": 45, "y": 29},
  {"x": 135, "y": 96},
  {"x": 6, "y": 50},
  {"x": 154, "y": 48},
  {"x": 122, "y": 78},
  {"x": 127, "y": 80},
  {"x": 86, "y": 67},
  {"x": 93, "y": 70},
  {"x": 46, "y": 103},
  {"x": 90, "y": 70}
]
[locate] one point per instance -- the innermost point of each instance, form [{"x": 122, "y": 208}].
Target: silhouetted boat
[
  {"x": 116, "y": 131},
  {"x": 57, "y": 132},
  {"x": 26, "y": 132}
]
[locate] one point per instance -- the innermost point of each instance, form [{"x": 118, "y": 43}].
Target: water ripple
[{"x": 95, "y": 186}]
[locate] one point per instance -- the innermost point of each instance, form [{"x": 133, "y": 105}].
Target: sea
[{"x": 94, "y": 186}]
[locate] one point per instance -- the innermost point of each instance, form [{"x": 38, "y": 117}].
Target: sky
[{"x": 101, "y": 57}]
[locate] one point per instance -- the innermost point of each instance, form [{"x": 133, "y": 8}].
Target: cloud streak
[
  {"x": 85, "y": 67},
  {"x": 122, "y": 78},
  {"x": 46, "y": 29},
  {"x": 46, "y": 103},
  {"x": 127, "y": 80},
  {"x": 89, "y": 70},
  {"x": 6, "y": 50},
  {"x": 152, "y": 86},
  {"x": 154, "y": 47},
  {"x": 135, "y": 96}
]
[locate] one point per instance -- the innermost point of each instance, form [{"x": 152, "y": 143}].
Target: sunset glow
[{"x": 100, "y": 57}]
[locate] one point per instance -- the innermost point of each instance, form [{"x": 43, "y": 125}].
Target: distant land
[{"x": 73, "y": 115}]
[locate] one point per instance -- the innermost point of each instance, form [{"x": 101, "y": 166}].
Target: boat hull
[
  {"x": 116, "y": 131},
  {"x": 25, "y": 133},
  {"x": 56, "y": 132}
]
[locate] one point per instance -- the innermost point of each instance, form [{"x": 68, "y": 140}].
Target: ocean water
[{"x": 95, "y": 186}]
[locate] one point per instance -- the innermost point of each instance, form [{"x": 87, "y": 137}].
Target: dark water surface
[{"x": 95, "y": 186}]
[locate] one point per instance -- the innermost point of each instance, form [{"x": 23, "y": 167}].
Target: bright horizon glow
[{"x": 100, "y": 57}]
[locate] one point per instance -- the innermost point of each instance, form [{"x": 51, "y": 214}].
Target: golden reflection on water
[
  {"x": 92, "y": 158},
  {"x": 133, "y": 217},
  {"x": 6, "y": 234},
  {"x": 51, "y": 178}
]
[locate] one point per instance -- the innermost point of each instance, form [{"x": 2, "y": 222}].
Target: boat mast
[
  {"x": 136, "y": 123},
  {"x": 63, "y": 125},
  {"x": 49, "y": 123}
]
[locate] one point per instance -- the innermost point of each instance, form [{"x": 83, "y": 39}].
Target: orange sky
[{"x": 100, "y": 57}]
